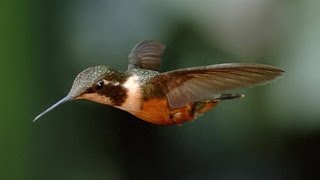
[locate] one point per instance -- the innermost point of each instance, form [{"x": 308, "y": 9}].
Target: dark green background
[{"x": 273, "y": 133}]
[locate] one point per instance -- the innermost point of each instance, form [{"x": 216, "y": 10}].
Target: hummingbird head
[
  {"x": 89, "y": 78},
  {"x": 85, "y": 86}
]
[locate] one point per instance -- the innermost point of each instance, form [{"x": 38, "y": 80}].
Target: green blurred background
[{"x": 274, "y": 133}]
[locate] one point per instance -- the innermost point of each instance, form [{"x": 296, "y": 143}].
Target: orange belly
[{"x": 157, "y": 111}]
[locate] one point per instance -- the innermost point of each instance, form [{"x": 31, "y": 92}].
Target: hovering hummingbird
[{"x": 172, "y": 97}]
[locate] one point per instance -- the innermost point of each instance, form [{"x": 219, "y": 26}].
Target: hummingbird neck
[{"x": 133, "y": 94}]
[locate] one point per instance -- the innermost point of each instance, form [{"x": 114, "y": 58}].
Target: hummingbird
[{"x": 167, "y": 98}]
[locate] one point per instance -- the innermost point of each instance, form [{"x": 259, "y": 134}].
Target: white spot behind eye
[
  {"x": 112, "y": 83},
  {"x": 106, "y": 82}
]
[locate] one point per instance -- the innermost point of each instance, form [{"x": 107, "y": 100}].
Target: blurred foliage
[{"x": 271, "y": 134}]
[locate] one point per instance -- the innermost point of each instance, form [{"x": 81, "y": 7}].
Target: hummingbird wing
[
  {"x": 146, "y": 55},
  {"x": 207, "y": 82}
]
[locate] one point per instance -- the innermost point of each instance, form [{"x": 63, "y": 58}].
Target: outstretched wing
[
  {"x": 203, "y": 83},
  {"x": 146, "y": 55}
]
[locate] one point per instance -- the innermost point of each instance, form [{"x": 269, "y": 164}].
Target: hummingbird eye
[{"x": 99, "y": 85}]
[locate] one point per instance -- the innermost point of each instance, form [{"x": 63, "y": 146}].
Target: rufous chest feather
[{"x": 157, "y": 111}]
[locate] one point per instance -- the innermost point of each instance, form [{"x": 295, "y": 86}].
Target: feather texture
[
  {"x": 207, "y": 82},
  {"x": 146, "y": 55}
]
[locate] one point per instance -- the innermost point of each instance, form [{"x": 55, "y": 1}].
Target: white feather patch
[{"x": 133, "y": 101}]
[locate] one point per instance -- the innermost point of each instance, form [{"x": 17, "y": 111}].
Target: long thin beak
[{"x": 65, "y": 99}]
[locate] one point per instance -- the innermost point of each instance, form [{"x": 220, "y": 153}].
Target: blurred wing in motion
[
  {"x": 146, "y": 55},
  {"x": 207, "y": 82}
]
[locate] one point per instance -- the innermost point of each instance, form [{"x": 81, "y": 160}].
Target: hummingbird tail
[{"x": 227, "y": 96}]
